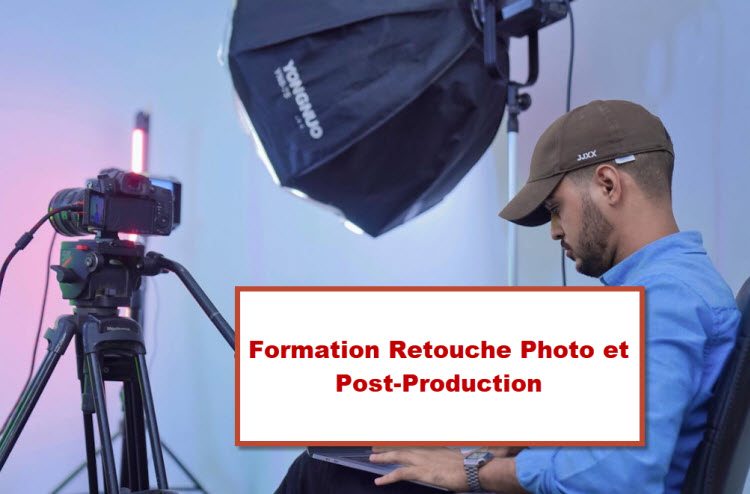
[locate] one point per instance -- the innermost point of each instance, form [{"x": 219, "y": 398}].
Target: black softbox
[{"x": 376, "y": 107}]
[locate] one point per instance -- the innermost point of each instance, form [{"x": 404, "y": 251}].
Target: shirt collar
[{"x": 680, "y": 242}]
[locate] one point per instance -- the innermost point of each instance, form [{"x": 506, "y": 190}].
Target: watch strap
[
  {"x": 472, "y": 477},
  {"x": 472, "y": 464}
]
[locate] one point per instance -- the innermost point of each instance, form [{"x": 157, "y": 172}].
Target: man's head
[{"x": 602, "y": 174}]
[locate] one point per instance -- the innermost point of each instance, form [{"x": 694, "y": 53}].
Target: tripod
[{"x": 98, "y": 276}]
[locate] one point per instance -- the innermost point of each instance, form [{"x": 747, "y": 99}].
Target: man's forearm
[{"x": 499, "y": 475}]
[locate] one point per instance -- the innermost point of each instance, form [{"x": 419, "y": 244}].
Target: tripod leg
[
  {"x": 87, "y": 408},
  {"x": 135, "y": 459},
  {"x": 58, "y": 338},
  {"x": 125, "y": 459},
  {"x": 108, "y": 456},
  {"x": 153, "y": 428},
  {"x": 88, "y": 432}
]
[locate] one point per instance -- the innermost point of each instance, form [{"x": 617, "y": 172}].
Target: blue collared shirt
[{"x": 691, "y": 326}]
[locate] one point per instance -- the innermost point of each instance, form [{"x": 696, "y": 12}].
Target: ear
[{"x": 607, "y": 183}]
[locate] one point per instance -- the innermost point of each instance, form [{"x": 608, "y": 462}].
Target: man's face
[{"x": 583, "y": 231}]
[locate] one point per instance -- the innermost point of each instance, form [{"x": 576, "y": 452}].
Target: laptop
[{"x": 358, "y": 458}]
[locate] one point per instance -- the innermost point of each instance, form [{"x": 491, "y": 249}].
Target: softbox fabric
[{"x": 376, "y": 107}]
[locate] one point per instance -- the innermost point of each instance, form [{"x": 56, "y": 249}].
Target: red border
[{"x": 642, "y": 404}]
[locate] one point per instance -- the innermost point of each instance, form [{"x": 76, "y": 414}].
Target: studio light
[{"x": 376, "y": 108}]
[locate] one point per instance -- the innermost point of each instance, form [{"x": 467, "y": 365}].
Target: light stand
[
  {"x": 516, "y": 103},
  {"x": 518, "y": 19},
  {"x": 133, "y": 458}
]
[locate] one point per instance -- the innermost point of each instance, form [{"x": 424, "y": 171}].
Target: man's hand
[{"x": 443, "y": 467}]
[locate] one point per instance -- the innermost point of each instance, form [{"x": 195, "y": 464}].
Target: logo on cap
[{"x": 585, "y": 156}]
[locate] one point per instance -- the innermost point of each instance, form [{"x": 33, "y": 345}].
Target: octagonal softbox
[{"x": 375, "y": 107}]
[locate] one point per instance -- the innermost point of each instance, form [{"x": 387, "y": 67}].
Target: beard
[{"x": 592, "y": 259}]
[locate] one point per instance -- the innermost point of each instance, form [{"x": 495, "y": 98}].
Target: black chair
[{"x": 721, "y": 462}]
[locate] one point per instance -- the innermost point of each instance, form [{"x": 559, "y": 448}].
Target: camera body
[
  {"x": 119, "y": 202},
  {"x": 116, "y": 201}
]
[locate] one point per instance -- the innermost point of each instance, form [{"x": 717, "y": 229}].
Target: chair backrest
[{"x": 721, "y": 462}]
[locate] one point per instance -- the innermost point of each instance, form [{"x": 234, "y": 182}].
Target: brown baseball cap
[{"x": 594, "y": 133}]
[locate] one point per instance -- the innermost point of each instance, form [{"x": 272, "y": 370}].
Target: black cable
[
  {"x": 20, "y": 245},
  {"x": 572, "y": 52},
  {"x": 39, "y": 327},
  {"x": 41, "y": 318},
  {"x": 41, "y": 312},
  {"x": 28, "y": 237},
  {"x": 567, "y": 109}
]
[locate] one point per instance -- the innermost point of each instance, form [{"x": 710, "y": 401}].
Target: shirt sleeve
[{"x": 675, "y": 339}]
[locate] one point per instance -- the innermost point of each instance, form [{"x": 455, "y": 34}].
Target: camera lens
[{"x": 67, "y": 223}]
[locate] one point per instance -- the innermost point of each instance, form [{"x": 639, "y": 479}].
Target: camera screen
[
  {"x": 96, "y": 210},
  {"x": 135, "y": 215}
]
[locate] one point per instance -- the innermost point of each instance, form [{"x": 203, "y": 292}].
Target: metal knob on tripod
[{"x": 98, "y": 276}]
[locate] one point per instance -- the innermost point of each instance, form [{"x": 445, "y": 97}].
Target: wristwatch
[{"x": 472, "y": 464}]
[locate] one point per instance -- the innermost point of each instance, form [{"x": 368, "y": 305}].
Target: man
[{"x": 601, "y": 174}]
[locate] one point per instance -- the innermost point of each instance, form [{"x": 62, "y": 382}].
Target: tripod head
[{"x": 103, "y": 272}]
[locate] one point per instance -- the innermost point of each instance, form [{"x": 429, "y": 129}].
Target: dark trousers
[{"x": 309, "y": 476}]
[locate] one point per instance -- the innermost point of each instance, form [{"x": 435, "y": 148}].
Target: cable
[
  {"x": 39, "y": 327},
  {"x": 29, "y": 236},
  {"x": 20, "y": 245},
  {"x": 41, "y": 312},
  {"x": 572, "y": 52},
  {"x": 567, "y": 109}
]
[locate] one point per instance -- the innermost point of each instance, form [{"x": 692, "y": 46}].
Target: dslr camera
[{"x": 119, "y": 202}]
